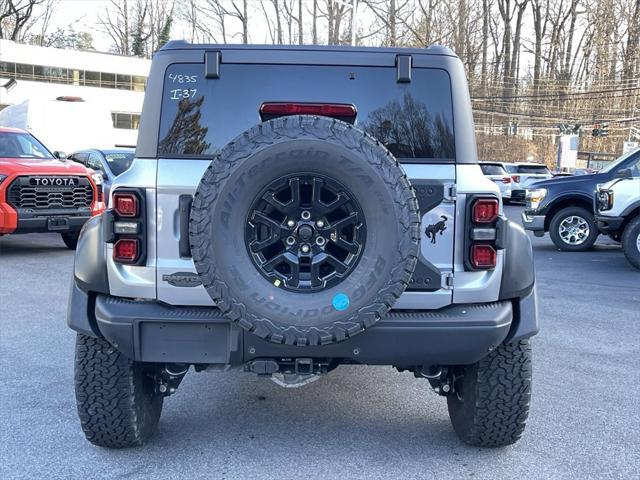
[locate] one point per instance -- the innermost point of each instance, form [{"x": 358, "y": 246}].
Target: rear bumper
[
  {"x": 609, "y": 225},
  {"x": 150, "y": 331}
]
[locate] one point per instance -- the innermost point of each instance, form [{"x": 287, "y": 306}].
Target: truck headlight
[
  {"x": 535, "y": 197},
  {"x": 97, "y": 178},
  {"x": 605, "y": 200},
  {"x": 2, "y": 178}
]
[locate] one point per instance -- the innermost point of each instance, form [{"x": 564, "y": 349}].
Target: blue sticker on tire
[{"x": 340, "y": 301}]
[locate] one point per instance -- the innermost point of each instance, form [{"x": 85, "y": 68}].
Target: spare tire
[{"x": 304, "y": 230}]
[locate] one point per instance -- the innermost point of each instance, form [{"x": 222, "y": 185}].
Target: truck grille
[{"x": 50, "y": 192}]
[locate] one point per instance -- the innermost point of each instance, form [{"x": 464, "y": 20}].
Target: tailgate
[{"x": 176, "y": 277}]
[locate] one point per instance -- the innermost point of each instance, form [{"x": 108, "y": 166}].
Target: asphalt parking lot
[{"x": 358, "y": 422}]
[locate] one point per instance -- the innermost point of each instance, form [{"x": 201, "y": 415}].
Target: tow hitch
[
  {"x": 168, "y": 378},
  {"x": 441, "y": 379},
  {"x": 289, "y": 372}
]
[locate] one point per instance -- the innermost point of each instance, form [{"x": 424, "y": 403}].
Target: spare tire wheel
[{"x": 304, "y": 230}]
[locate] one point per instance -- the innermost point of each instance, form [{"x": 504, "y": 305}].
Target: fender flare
[
  {"x": 89, "y": 278},
  {"x": 90, "y": 266},
  {"x": 518, "y": 271}
]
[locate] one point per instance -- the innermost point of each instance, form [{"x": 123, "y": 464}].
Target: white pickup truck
[
  {"x": 523, "y": 175},
  {"x": 617, "y": 207}
]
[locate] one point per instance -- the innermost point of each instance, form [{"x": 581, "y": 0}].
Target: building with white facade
[{"x": 109, "y": 83}]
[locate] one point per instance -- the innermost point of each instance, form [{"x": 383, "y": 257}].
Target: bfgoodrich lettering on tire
[{"x": 304, "y": 230}]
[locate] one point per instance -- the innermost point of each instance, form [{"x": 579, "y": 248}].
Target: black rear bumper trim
[{"x": 155, "y": 332}]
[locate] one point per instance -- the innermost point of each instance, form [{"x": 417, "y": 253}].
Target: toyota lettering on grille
[{"x": 54, "y": 181}]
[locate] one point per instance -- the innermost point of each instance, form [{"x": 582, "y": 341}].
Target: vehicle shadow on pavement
[
  {"x": 15, "y": 246},
  {"x": 354, "y": 411}
]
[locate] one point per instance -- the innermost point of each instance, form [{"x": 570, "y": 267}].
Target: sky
[{"x": 83, "y": 16}]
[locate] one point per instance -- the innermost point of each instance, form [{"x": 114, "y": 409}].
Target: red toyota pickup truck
[{"x": 41, "y": 193}]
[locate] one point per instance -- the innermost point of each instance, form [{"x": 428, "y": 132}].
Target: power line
[{"x": 533, "y": 97}]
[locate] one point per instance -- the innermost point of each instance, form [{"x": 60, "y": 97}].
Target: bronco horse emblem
[{"x": 439, "y": 227}]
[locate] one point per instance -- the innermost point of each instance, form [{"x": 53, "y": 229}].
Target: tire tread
[
  {"x": 111, "y": 402},
  {"x": 289, "y": 128},
  {"x": 497, "y": 397}
]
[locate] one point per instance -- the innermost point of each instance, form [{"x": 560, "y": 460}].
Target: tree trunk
[
  {"x": 515, "y": 54},
  {"x": 632, "y": 54},
  {"x": 314, "y": 24},
  {"x": 505, "y": 11},
  {"x": 245, "y": 23},
  {"x": 485, "y": 47},
  {"x": 392, "y": 23},
  {"x": 276, "y": 5}
]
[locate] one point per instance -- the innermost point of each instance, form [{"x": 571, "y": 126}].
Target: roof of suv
[
  {"x": 430, "y": 50},
  {"x": 216, "y": 61}
]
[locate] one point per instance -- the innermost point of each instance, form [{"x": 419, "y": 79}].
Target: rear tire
[
  {"x": 490, "y": 403},
  {"x": 70, "y": 239},
  {"x": 564, "y": 220},
  {"x": 631, "y": 242},
  {"x": 117, "y": 403}
]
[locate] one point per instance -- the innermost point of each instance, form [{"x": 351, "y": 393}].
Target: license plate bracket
[{"x": 58, "y": 223}]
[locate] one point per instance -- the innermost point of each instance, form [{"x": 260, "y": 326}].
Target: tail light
[
  {"x": 485, "y": 210},
  {"x": 341, "y": 111},
  {"x": 125, "y": 204},
  {"x": 506, "y": 179},
  {"x": 484, "y": 225},
  {"x": 126, "y": 250},
  {"x": 516, "y": 178},
  {"x": 125, "y": 226},
  {"x": 483, "y": 256}
]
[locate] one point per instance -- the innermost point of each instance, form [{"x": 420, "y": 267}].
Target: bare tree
[
  {"x": 115, "y": 22},
  {"x": 334, "y": 14},
  {"x": 15, "y": 16},
  {"x": 391, "y": 14},
  {"x": 239, "y": 11},
  {"x": 160, "y": 20}
]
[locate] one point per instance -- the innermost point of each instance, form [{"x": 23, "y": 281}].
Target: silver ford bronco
[{"x": 293, "y": 209}]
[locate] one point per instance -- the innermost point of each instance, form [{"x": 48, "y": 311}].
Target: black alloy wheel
[{"x": 305, "y": 232}]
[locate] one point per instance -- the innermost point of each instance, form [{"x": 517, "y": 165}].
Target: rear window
[
  {"x": 413, "y": 120},
  {"x": 540, "y": 169},
  {"x": 493, "y": 169},
  {"x": 119, "y": 162}
]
